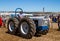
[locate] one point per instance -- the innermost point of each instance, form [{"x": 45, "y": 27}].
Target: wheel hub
[
  {"x": 11, "y": 26},
  {"x": 24, "y": 28}
]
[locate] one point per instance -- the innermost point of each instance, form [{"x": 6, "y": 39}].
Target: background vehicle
[
  {"x": 1, "y": 22},
  {"x": 58, "y": 22}
]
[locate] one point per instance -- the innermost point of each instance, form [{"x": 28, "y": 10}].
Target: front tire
[
  {"x": 45, "y": 32},
  {"x": 12, "y": 25}
]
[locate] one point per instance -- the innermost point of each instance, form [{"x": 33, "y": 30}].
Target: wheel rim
[
  {"x": 11, "y": 26},
  {"x": 24, "y": 28}
]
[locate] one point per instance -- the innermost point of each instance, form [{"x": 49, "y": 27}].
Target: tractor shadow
[
  {"x": 21, "y": 36},
  {"x": 14, "y": 34},
  {"x": 37, "y": 35},
  {"x": 58, "y": 29}
]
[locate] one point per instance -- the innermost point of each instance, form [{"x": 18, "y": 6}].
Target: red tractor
[{"x": 1, "y": 21}]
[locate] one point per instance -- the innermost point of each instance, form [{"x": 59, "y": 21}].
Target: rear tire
[{"x": 31, "y": 28}]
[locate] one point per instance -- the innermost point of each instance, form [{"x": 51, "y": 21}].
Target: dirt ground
[{"x": 53, "y": 35}]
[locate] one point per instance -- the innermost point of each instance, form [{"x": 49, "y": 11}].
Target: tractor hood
[
  {"x": 34, "y": 16},
  {"x": 37, "y": 16}
]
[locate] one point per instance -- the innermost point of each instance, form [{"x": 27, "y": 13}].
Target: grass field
[{"x": 53, "y": 35}]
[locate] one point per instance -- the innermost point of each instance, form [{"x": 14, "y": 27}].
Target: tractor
[
  {"x": 1, "y": 22},
  {"x": 27, "y": 26}
]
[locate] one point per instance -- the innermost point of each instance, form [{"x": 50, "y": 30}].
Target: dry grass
[{"x": 53, "y": 35}]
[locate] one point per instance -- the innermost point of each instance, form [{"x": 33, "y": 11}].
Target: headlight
[{"x": 45, "y": 22}]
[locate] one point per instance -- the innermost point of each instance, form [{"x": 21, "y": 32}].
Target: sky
[{"x": 30, "y": 5}]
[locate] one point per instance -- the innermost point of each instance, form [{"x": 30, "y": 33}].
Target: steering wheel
[{"x": 18, "y": 10}]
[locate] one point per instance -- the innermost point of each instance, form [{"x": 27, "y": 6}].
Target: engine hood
[{"x": 37, "y": 17}]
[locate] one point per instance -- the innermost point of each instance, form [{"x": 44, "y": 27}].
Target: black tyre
[
  {"x": 59, "y": 26},
  {"x": 45, "y": 32},
  {"x": 12, "y": 25},
  {"x": 27, "y": 28},
  {"x": 38, "y": 34}
]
